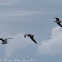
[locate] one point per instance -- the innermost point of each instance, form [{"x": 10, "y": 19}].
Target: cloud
[
  {"x": 17, "y": 43},
  {"x": 52, "y": 46}
]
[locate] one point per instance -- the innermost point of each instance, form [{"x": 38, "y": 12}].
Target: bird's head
[{"x": 56, "y": 18}]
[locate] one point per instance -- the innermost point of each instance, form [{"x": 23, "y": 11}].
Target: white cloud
[
  {"x": 53, "y": 46},
  {"x": 18, "y": 42}
]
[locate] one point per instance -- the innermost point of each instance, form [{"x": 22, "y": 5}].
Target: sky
[{"x": 19, "y": 17}]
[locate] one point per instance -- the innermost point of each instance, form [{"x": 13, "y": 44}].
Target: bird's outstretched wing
[
  {"x": 33, "y": 39},
  {"x": 59, "y": 24}
]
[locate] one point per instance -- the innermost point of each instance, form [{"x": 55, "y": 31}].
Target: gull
[
  {"x": 31, "y": 37},
  {"x": 58, "y": 21},
  {"x": 4, "y": 41}
]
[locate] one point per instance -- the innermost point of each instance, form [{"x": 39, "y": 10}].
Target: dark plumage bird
[
  {"x": 4, "y": 41},
  {"x": 31, "y": 37},
  {"x": 58, "y": 22}
]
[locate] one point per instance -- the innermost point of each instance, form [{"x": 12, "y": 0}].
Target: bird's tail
[{"x": 60, "y": 25}]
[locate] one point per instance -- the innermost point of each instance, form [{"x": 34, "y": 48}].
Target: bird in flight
[
  {"x": 58, "y": 21},
  {"x": 31, "y": 37},
  {"x": 4, "y": 41}
]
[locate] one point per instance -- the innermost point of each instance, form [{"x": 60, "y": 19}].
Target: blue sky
[{"x": 19, "y": 17}]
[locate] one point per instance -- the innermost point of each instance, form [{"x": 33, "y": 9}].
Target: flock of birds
[{"x": 4, "y": 41}]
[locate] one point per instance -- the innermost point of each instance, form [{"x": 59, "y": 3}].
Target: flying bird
[
  {"x": 31, "y": 37},
  {"x": 4, "y": 41},
  {"x": 58, "y": 21}
]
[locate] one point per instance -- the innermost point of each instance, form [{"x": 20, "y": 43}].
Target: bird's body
[
  {"x": 31, "y": 37},
  {"x": 58, "y": 21},
  {"x": 4, "y": 41}
]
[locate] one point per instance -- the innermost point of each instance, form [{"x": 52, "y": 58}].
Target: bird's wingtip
[{"x": 36, "y": 43}]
